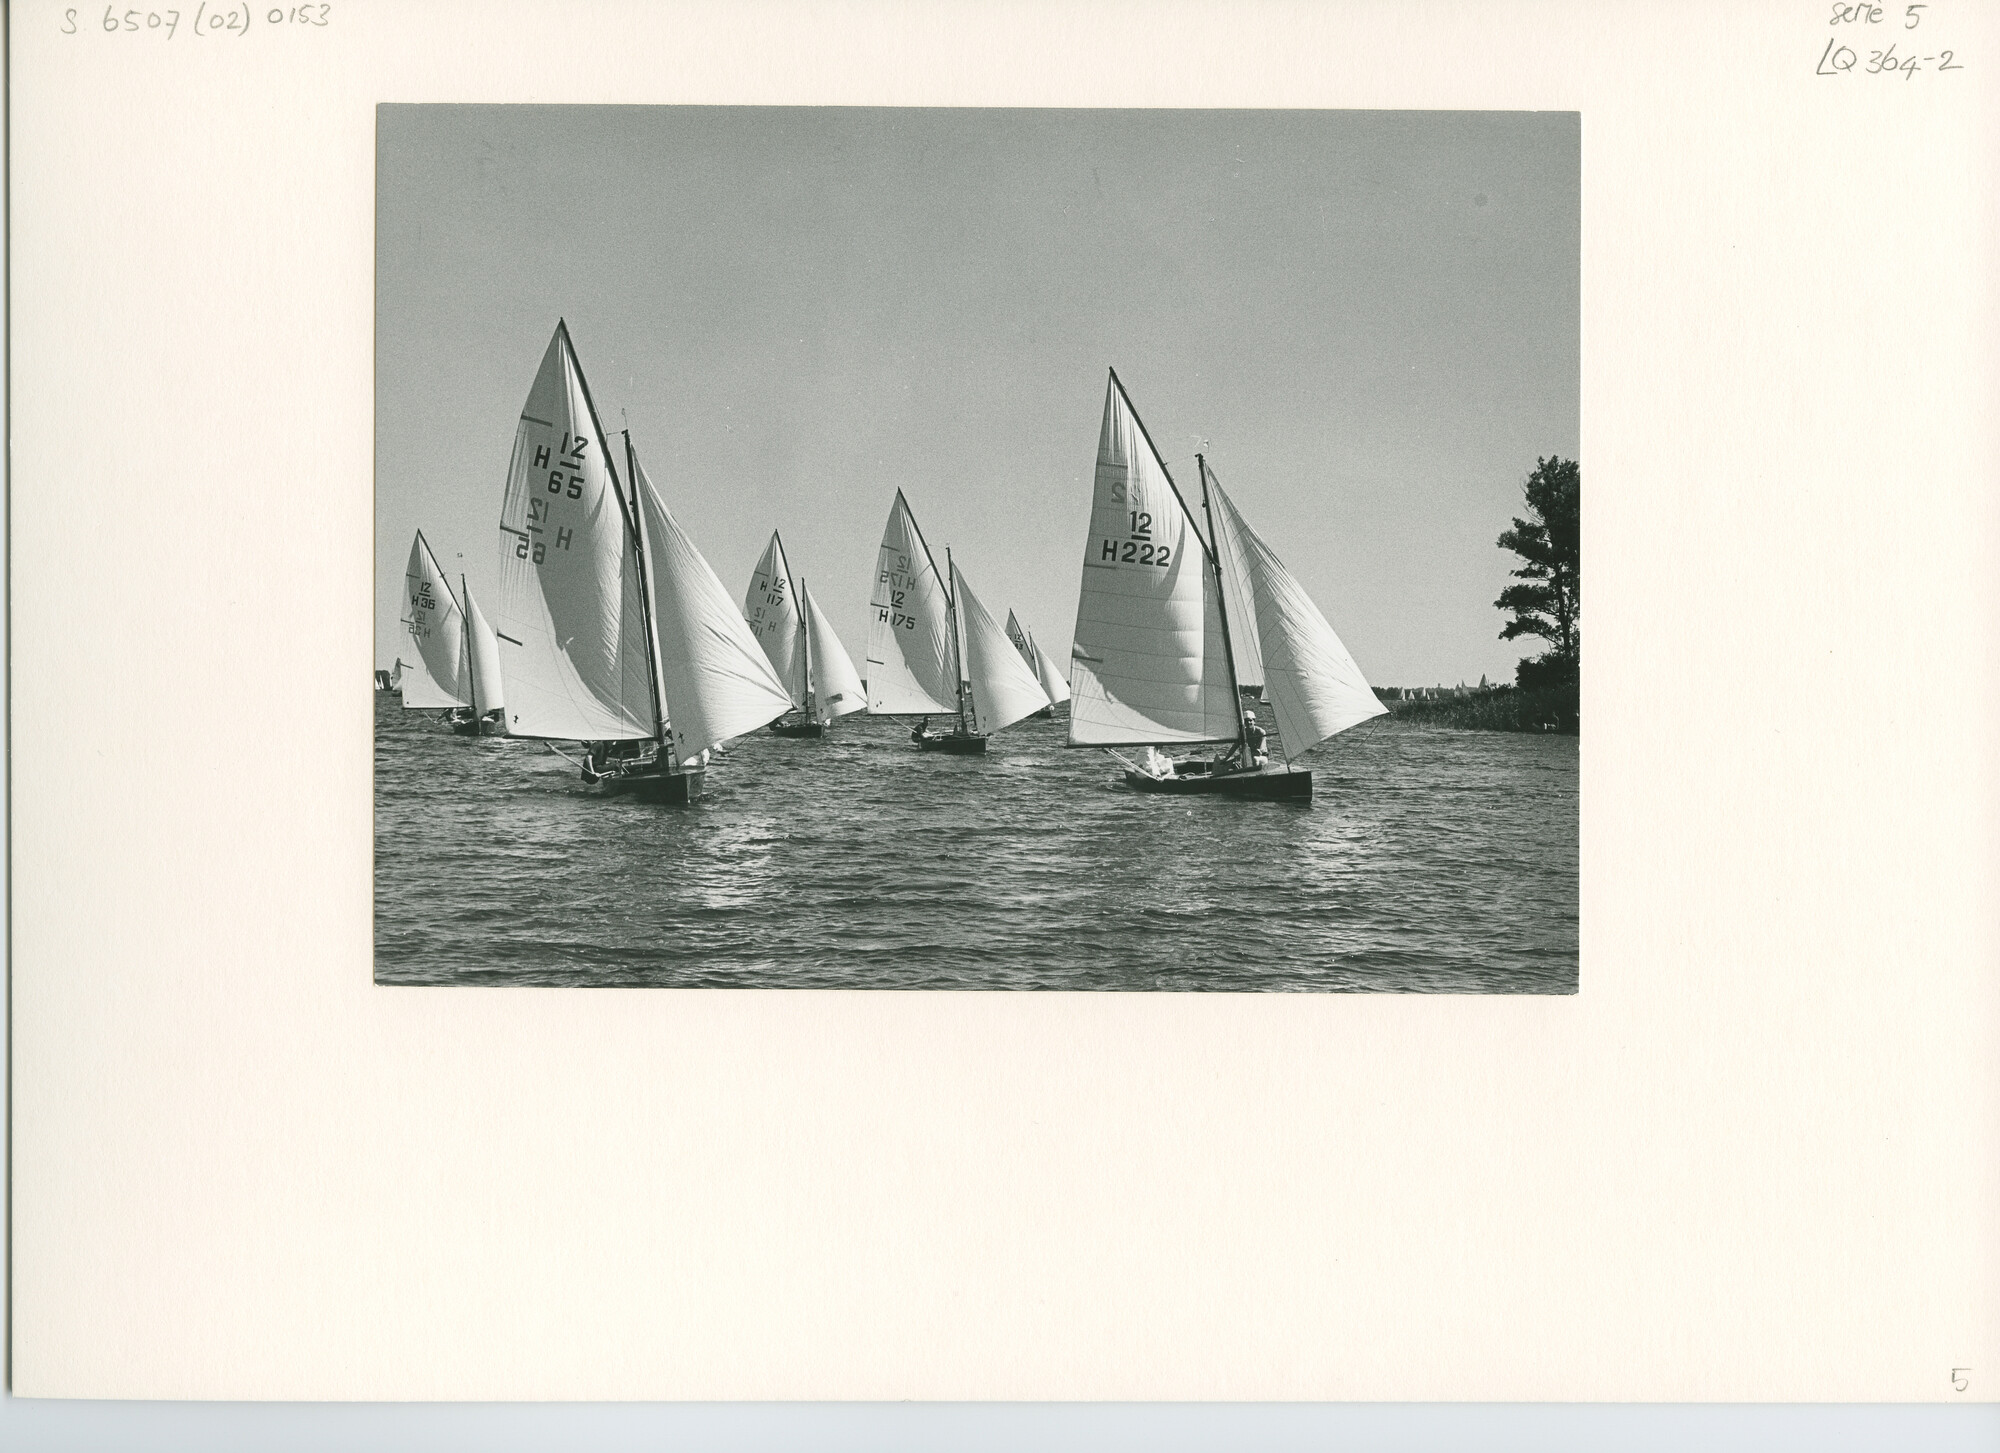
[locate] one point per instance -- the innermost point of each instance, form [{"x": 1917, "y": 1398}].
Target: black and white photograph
[{"x": 850, "y": 548}]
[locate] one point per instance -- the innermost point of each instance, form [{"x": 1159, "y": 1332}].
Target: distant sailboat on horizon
[
  {"x": 934, "y": 650},
  {"x": 1156, "y": 657},
  {"x": 1053, "y": 685},
  {"x": 440, "y": 679},
  {"x": 801, "y": 646},
  {"x": 482, "y": 661}
]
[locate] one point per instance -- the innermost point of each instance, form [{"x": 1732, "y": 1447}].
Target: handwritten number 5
[
  {"x": 1958, "y": 1378},
  {"x": 1910, "y": 16}
]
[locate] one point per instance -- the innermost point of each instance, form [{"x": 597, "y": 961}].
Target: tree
[{"x": 1551, "y": 603}]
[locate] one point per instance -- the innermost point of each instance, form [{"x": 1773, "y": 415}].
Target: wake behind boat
[{"x": 1157, "y": 644}]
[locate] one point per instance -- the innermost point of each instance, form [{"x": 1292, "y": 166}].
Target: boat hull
[
  {"x": 1269, "y": 784},
  {"x": 966, "y": 746},
  {"x": 798, "y": 729},
  {"x": 671, "y": 789}
]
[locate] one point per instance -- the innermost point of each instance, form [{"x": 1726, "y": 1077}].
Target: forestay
[
  {"x": 487, "y": 693},
  {"x": 572, "y": 632},
  {"x": 1002, "y": 688},
  {"x": 910, "y": 667},
  {"x": 836, "y": 684},
  {"x": 771, "y": 608},
  {"x": 437, "y": 678},
  {"x": 716, "y": 679},
  {"x": 1150, "y": 662},
  {"x": 1311, "y": 680}
]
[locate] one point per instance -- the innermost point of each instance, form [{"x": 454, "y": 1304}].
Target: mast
[
  {"x": 645, "y": 591},
  {"x": 951, "y": 603},
  {"x": 1161, "y": 460},
  {"x": 1222, "y": 608},
  {"x": 957, "y": 662},
  {"x": 805, "y": 636},
  {"x": 471, "y": 667}
]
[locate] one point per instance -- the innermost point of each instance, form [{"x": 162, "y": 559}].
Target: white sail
[
  {"x": 1051, "y": 679},
  {"x": 771, "y": 608},
  {"x": 910, "y": 668},
  {"x": 1244, "y": 638},
  {"x": 1310, "y": 677},
  {"x": 1020, "y": 639},
  {"x": 836, "y": 684},
  {"x": 1150, "y": 662},
  {"x": 487, "y": 693},
  {"x": 569, "y": 620},
  {"x": 1001, "y": 689},
  {"x": 716, "y": 679},
  {"x": 431, "y": 617}
]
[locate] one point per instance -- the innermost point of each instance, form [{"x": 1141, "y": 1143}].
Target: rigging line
[{"x": 1160, "y": 460}]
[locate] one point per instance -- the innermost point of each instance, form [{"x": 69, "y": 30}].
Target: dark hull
[
  {"x": 1271, "y": 784},
  {"x": 967, "y": 746},
  {"x": 672, "y": 789},
  {"x": 1047, "y": 713},
  {"x": 798, "y": 729}
]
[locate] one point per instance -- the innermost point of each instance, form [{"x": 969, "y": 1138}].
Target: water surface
[{"x": 1429, "y": 860}]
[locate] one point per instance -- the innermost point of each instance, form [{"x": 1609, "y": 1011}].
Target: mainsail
[
  {"x": 910, "y": 666},
  {"x": 716, "y": 680},
  {"x": 438, "y": 676},
  {"x": 771, "y": 608},
  {"x": 576, "y": 661},
  {"x": 836, "y": 684},
  {"x": 1312, "y": 681},
  {"x": 487, "y": 694},
  {"x": 1150, "y": 662},
  {"x": 1001, "y": 688}
]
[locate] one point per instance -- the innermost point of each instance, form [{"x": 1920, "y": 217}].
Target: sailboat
[
  {"x": 619, "y": 635},
  {"x": 933, "y": 649},
  {"x": 801, "y": 646},
  {"x": 487, "y": 716},
  {"x": 1157, "y": 634},
  {"x": 1053, "y": 686},
  {"x": 439, "y": 680}
]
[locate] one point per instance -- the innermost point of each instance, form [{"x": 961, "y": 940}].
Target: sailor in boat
[
  {"x": 607, "y": 759},
  {"x": 921, "y": 730},
  {"x": 1252, "y": 744}
]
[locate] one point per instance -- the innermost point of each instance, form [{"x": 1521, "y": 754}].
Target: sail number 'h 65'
[{"x": 619, "y": 634}]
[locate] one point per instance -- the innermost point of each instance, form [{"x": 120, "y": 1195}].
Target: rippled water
[{"x": 1428, "y": 860}]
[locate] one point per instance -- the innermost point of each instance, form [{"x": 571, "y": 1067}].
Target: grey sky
[{"x": 1370, "y": 317}]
